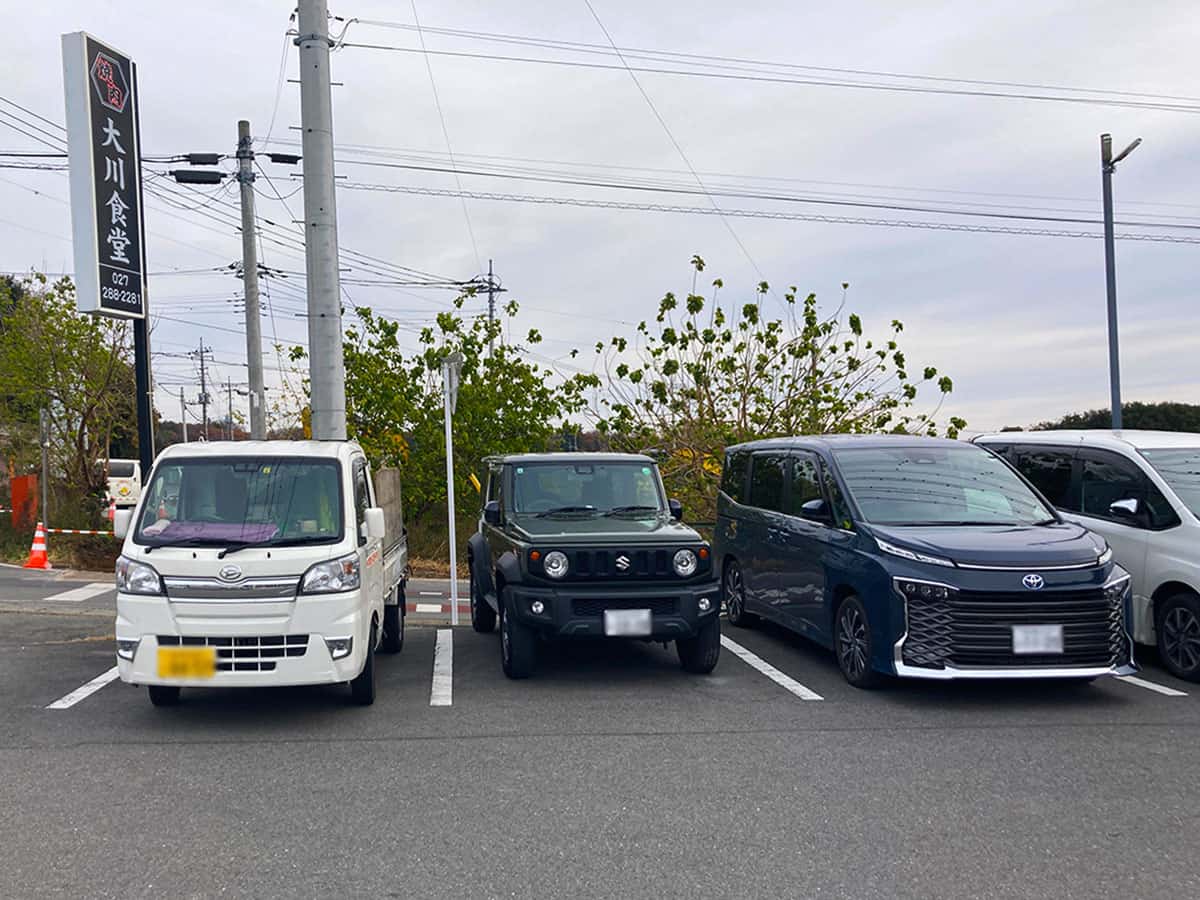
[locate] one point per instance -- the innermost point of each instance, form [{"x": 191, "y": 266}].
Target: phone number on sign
[{"x": 125, "y": 298}]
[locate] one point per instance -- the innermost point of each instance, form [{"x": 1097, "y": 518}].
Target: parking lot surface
[{"x": 612, "y": 773}]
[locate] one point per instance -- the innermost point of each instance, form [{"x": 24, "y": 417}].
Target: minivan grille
[
  {"x": 974, "y": 629},
  {"x": 244, "y": 654}
]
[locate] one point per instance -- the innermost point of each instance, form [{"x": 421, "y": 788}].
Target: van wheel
[
  {"x": 852, "y": 644},
  {"x": 518, "y": 645},
  {"x": 1178, "y": 627},
  {"x": 734, "y": 594},
  {"x": 483, "y": 617},
  {"x": 362, "y": 688},
  {"x": 699, "y": 654},
  {"x": 393, "y": 625},
  {"x": 164, "y": 694}
]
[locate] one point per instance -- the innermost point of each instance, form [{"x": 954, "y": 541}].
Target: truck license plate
[
  {"x": 626, "y": 622},
  {"x": 187, "y": 662},
  {"x": 1037, "y": 639}
]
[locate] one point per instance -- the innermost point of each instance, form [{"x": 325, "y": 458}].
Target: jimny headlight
[
  {"x": 685, "y": 563},
  {"x": 555, "y": 564},
  {"x": 134, "y": 577},
  {"x": 332, "y": 577}
]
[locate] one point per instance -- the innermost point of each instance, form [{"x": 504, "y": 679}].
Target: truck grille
[
  {"x": 658, "y": 606},
  {"x": 244, "y": 654},
  {"x": 975, "y": 629}
]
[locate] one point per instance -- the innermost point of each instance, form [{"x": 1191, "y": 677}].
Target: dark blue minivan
[{"x": 917, "y": 557}]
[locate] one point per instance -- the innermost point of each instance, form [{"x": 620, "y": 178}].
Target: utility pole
[
  {"x": 229, "y": 396},
  {"x": 327, "y": 373},
  {"x": 491, "y": 310},
  {"x": 183, "y": 415},
  {"x": 451, "y": 370},
  {"x": 1108, "y": 165},
  {"x": 245, "y": 176},
  {"x": 202, "y": 354},
  {"x": 44, "y": 434}
]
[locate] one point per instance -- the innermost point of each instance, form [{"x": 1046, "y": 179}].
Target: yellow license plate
[{"x": 187, "y": 662}]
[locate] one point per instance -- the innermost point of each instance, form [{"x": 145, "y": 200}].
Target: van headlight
[
  {"x": 1114, "y": 591},
  {"x": 332, "y": 576},
  {"x": 555, "y": 564},
  {"x": 914, "y": 589},
  {"x": 134, "y": 577},
  {"x": 685, "y": 563},
  {"x": 1105, "y": 557}
]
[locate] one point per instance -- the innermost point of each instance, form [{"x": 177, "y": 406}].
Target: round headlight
[
  {"x": 685, "y": 563},
  {"x": 555, "y": 564}
]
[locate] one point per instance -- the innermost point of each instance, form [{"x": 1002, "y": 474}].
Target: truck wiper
[
  {"x": 235, "y": 546},
  {"x": 623, "y": 510},
  {"x": 566, "y": 509},
  {"x": 186, "y": 542},
  {"x": 300, "y": 541}
]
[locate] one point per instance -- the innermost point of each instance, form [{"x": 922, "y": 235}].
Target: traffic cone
[
  {"x": 37, "y": 552},
  {"x": 111, "y": 513}
]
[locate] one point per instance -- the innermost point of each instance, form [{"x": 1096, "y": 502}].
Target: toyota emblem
[
  {"x": 230, "y": 573},
  {"x": 1033, "y": 581}
]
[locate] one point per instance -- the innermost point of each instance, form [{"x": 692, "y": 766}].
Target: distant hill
[{"x": 1141, "y": 416}]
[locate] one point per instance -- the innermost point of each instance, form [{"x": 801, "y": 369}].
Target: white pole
[
  {"x": 446, "y": 388},
  {"x": 258, "y": 407}
]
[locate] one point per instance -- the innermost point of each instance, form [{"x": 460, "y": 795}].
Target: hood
[
  {"x": 254, "y": 562},
  {"x": 625, "y": 531},
  {"x": 1032, "y": 546}
]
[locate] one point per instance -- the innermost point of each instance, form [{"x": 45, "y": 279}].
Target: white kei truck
[{"x": 260, "y": 564}]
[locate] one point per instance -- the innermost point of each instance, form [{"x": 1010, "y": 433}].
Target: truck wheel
[
  {"x": 362, "y": 688},
  {"x": 393, "y": 625},
  {"x": 852, "y": 644},
  {"x": 1178, "y": 627},
  {"x": 518, "y": 645},
  {"x": 164, "y": 694},
  {"x": 734, "y": 593},
  {"x": 483, "y": 617},
  {"x": 699, "y": 654}
]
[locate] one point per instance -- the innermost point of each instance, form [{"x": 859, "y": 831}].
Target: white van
[
  {"x": 260, "y": 563},
  {"x": 124, "y": 481},
  {"x": 1140, "y": 490}
]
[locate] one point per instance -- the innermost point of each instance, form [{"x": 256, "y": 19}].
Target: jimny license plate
[
  {"x": 627, "y": 622},
  {"x": 1037, "y": 639},
  {"x": 187, "y": 662}
]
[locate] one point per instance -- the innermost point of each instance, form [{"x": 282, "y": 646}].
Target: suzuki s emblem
[
  {"x": 1034, "y": 581},
  {"x": 623, "y": 563},
  {"x": 230, "y": 573}
]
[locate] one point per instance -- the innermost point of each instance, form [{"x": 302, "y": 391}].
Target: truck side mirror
[
  {"x": 1124, "y": 509},
  {"x": 122, "y": 518},
  {"x": 376, "y": 524},
  {"x": 491, "y": 512},
  {"x": 676, "y": 510}
]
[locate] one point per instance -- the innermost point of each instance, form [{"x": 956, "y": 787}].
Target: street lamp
[{"x": 1108, "y": 165}]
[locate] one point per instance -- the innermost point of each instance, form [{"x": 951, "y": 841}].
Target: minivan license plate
[
  {"x": 1037, "y": 638},
  {"x": 626, "y": 622}
]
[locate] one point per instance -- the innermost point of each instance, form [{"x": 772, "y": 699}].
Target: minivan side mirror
[
  {"x": 122, "y": 519},
  {"x": 491, "y": 512},
  {"x": 1125, "y": 509},
  {"x": 815, "y": 511},
  {"x": 676, "y": 509}
]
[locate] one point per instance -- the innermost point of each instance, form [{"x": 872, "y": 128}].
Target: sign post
[
  {"x": 451, "y": 371},
  {"x": 107, "y": 223}
]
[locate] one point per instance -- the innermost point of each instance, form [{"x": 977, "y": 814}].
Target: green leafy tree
[
  {"x": 702, "y": 376},
  {"x": 1135, "y": 415}
]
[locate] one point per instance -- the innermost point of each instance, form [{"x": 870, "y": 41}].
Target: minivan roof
[
  {"x": 831, "y": 441},
  {"x": 1117, "y": 440}
]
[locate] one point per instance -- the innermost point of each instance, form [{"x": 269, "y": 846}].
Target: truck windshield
[
  {"x": 586, "y": 489},
  {"x": 1181, "y": 470},
  {"x": 221, "y": 501},
  {"x": 938, "y": 486}
]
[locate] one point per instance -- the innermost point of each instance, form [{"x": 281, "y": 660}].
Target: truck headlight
[
  {"x": 685, "y": 563},
  {"x": 332, "y": 576},
  {"x": 555, "y": 564},
  {"x": 134, "y": 577}
]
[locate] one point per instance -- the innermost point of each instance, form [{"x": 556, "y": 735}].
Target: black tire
[
  {"x": 852, "y": 644},
  {"x": 733, "y": 595},
  {"x": 164, "y": 694},
  {"x": 699, "y": 654},
  {"x": 518, "y": 645},
  {"x": 393, "y": 625},
  {"x": 362, "y": 688},
  {"x": 1177, "y": 623},
  {"x": 483, "y": 617}
]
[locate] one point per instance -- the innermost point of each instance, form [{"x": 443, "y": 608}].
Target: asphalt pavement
[{"x": 612, "y": 773}]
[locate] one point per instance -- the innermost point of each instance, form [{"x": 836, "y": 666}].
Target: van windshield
[
  {"x": 588, "y": 489},
  {"x": 1181, "y": 470},
  {"x": 219, "y": 501},
  {"x": 120, "y": 468},
  {"x": 938, "y": 486}
]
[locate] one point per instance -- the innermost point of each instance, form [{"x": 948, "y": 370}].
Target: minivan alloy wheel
[
  {"x": 1181, "y": 638},
  {"x": 735, "y": 594},
  {"x": 852, "y": 641}
]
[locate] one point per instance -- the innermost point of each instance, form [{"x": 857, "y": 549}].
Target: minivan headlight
[
  {"x": 134, "y": 577},
  {"x": 1114, "y": 591},
  {"x": 904, "y": 553},
  {"x": 685, "y": 563},
  {"x": 332, "y": 576},
  {"x": 912, "y": 589},
  {"x": 1105, "y": 557}
]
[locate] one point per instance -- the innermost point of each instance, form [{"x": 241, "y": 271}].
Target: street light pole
[
  {"x": 245, "y": 156},
  {"x": 1108, "y": 165}
]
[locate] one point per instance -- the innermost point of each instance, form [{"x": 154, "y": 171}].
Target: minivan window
[
  {"x": 1049, "y": 470},
  {"x": 938, "y": 485},
  {"x": 806, "y": 483},
  {"x": 1181, "y": 470},
  {"x": 733, "y": 477},
  {"x": 1106, "y": 478},
  {"x": 841, "y": 510},
  {"x": 766, "y": 481}
]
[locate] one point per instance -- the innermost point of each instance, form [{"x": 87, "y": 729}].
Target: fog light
[
  {"x": 537, "y": 607},
  {"x": 127, "y": 648},
  {"x": 704, "y": 603},
  {"x": 339, "y": 646}
]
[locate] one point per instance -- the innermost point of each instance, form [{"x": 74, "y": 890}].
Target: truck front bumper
[{"x": 676, "y": 611}]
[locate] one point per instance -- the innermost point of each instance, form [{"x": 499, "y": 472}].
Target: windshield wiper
[
  {"x": 952, "y": 523},
  {"x": 623, "y": 510},
  {"x": 235, "y": 546},
  {"x": 300, "y": 541},
  {"x": 186, "y": 542},
  {"x": 566, "y": 509}
]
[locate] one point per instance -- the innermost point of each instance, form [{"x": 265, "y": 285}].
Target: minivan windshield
[
  {"x": 229, "y": 500},
  {"x": 586, "y": 489},
  {"x": 938, "y": 485},
  {"x": 1180, "y": 469}
]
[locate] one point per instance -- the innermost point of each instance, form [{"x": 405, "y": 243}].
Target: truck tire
[
  {"x": 393, "y": 625},
  {"x": 518, "y": 645},
  {"x": 483, "y": 617},
  {"x": 699, "y": 654},
  {"x": 362, "y": 688},
  {"x": 1177, "y": 622},
  {"x": 164, "y": 694}
]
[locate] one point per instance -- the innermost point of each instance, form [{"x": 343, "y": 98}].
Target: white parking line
[
  {"x": 443, "y": 668},
  {"x": 428, "y": 607},
  {"x": 758, "y": 663},
  {"x": 76, "y": 595},
  {"x": 431, "y": 593},
  {"x": 1151, "y": 686},
  {"x": 81, "y": 693}
]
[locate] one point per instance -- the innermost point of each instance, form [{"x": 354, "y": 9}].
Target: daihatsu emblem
[
  {"x": 1033, "y": 581},
  {"x": 230, "y": 573},
  {"x": 623, "y": 563}
]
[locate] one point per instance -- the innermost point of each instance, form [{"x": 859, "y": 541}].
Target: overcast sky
[{"x": 1017, "y": 320}]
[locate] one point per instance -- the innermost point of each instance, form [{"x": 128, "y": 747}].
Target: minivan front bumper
[{"x": 950, "y": 673}]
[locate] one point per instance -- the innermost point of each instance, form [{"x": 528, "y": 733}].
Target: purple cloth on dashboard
[{"x": 219, "y": 531}]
